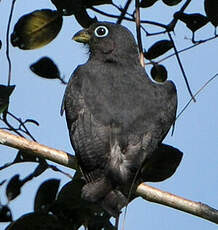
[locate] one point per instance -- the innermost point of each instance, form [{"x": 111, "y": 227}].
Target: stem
[{"x": 7, "y": 42}]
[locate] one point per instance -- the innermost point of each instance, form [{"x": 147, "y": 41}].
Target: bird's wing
[{"x": 88, "y": 137}]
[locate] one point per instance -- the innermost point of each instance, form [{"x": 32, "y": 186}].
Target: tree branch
[
  {"x": 145, "y": 191},
  {"x": 36, "y": 149},
  {"x": 195, "y": 208}
]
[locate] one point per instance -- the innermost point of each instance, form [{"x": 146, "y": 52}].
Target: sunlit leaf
[
  {"x": 147, "y": 3},
  {"x": 159, "y": 73},
  {"x": 36, "y": 29},
  {"x": 158, "y": 49},
  {"x": 171, "y": 2},
  {"x": 46, "y": 194},
  {"x": 5, "y": 92},
  {"x": 45, "y": 68}
]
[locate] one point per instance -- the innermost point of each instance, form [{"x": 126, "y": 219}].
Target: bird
[{"x": 116, "y": 115}]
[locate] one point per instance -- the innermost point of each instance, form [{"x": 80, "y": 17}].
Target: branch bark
[{"x": 145, "y": 191}]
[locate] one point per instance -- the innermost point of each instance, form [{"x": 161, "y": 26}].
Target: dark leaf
[
  {"x": 147, "y": 3},
  {"x": 171, "y": 2},
  {"x": 158, "y": 49},
  {"x": 162, "y": 164},
  {"x": 66, "y": 7},
  {"x": 0, "y": 44},
  {"x": 193, "y": 21},
  {"x": 25, "y": 157},
  {"x": 36, "y": 221},
  {"x": 211, "y": 9},
  {"x": 5, "y": 92},
  {"x": 70, "y": 205},
  {"x": 159, "y": 73},
  {"x": 13, "y": 187},
  {"x": 36, "y": 29},
  {"x": 89, "y": 3},
  {"x": 83, "y": 18},
  {"x": 46, "y": 68},
  {"x": 31, "y": 121},
  {"x": 46, "y": 194},
  {"x": 5, "y": 213},
  {"x": 69, "y": 7}
]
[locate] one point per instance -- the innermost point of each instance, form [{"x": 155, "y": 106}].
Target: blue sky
[{"x": 196, "y": 132}]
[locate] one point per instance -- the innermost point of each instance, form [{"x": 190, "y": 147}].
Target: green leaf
[{"x": 36, "y": 29}]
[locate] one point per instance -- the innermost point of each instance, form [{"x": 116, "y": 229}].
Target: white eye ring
[{"x": 101, "y": 31}]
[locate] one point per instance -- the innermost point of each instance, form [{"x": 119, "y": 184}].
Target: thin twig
[
  {"x": 172, "y": 24},
  {"x": 185, "y": 49},
  {"x": 184, "y": 108},
  {"x": 181, "y": 67},
  {"x": 22, "y": 124},
  {"x": 128, "y": 18},
  {"x": 123, "y": 12},
  {"x": 138, "y": 33},
  {"x": 7, "y": 42}
]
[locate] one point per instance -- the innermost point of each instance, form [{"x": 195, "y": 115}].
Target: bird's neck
[{"x": 131, "y": 59}]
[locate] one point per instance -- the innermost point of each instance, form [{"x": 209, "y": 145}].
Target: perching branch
[
  {"x": 36, "y": 149},
  {"x": 195, "y": 208},
  {"x": 147, "y": 192}
]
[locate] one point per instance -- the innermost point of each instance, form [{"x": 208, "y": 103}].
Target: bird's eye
[{"x": 101, "y": 31}]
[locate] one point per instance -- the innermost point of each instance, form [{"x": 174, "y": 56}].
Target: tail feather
[{"x": 113, "y": 202}]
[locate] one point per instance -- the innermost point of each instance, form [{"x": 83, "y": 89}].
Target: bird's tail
[{"x": 113, "y": 202}]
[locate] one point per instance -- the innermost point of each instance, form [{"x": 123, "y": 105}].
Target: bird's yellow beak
[{"x": 82, "y": 36}]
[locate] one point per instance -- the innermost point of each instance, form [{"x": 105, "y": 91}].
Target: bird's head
[{"x": 108, "y": 41}]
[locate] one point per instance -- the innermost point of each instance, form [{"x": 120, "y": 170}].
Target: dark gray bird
[{"x": 117, "y": 117}]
